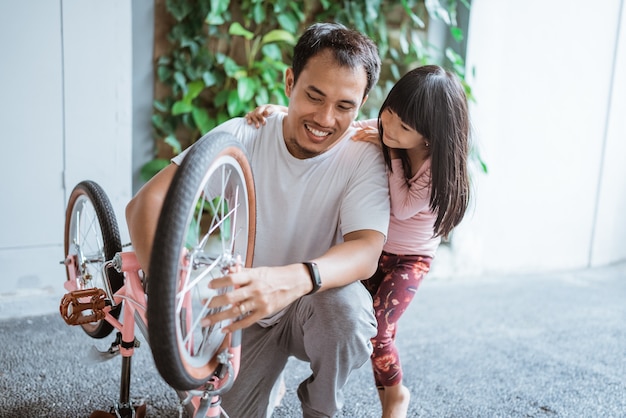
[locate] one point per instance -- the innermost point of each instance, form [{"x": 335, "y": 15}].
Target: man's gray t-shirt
[{"x": 304, "y": 207}]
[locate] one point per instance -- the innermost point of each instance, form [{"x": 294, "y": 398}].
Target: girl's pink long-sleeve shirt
[{"x": 411, "y": 222}]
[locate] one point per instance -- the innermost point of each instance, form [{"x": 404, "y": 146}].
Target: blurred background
[{"x": 109, "y": 90}]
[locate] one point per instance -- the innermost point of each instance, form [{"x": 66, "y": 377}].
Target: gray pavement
[{"x": 549, "y": 345}]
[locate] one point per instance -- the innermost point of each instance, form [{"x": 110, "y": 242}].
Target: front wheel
[{"x": 207, "y": 222}]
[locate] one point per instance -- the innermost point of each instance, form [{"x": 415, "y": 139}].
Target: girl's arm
[{"x": 409, "y": 197}]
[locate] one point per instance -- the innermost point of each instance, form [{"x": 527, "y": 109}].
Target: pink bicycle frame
[{"x": 82, "y": 306}]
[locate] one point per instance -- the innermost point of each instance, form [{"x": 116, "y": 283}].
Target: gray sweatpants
[{"x": 331, "y": 330}]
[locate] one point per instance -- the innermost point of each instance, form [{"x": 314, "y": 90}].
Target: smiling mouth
[{"x": 317, "y": 133}]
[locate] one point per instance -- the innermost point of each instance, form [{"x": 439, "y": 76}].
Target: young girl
[{"x": 423, "y": 129}]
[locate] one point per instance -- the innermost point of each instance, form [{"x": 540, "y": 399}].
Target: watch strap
[{"x": 316, "y": 280}]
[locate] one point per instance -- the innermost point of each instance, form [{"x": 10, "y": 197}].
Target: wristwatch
[{"x": 315, "y": 276}]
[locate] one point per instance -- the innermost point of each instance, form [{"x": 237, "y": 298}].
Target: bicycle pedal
[{"x": 83, "y": 306}]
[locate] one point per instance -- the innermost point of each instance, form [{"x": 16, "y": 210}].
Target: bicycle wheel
[
  {"x": 92, "y": 237},
  {"x": 206, "y": 222}
]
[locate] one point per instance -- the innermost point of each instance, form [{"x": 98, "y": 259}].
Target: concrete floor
[{"x": 551, "y": 345}]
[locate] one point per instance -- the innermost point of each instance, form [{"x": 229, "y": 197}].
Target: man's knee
[{"x": 346, "y": 310}]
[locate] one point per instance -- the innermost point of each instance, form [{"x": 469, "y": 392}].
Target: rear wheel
[
  {"x": 91, "y": 238},
  {"x": 206, "y": 223}
]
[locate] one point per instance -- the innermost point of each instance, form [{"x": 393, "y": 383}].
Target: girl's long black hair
[{"x": 432, "y": 101}]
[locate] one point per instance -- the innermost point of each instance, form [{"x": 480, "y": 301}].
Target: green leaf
[
  {"x": 287, "y": 22},
  {"x": 218, "y": 9},
  {"x": 181, "y": 107},
  {"x": 160, "y": 106},
  {"x": 174, "y": 143},
  {"x": 209, "y": 78},
  {"x": 281, "y": 98},
  {"x": 178, "y": 9},
  {"x": 258, "y": 13},
  {"x": 436, "y": 10},
  {"x": 404, "y": 45},
  {"x": 157, "y": 121},
  {"x": 456, "y": 33},
  {"x": 230, "y": 66},
  {"x": 202, "y": 119},
  {"x": 414, "y": 18},
  {"x": 240, "y": 73},
  {"x": 193, "y": 90},
  {"x": 187, "y": 120},
  {"x": 233, "y": 103},
  {"x": 295, "y": 7},
  {"x": 272, "y": 51},
  {"x": 246, "y": 87},
  {"x": 456, "y": 60},
  {"x": 372, "y": 10},
  {"x": 220, "y": 57},
  {"x": 238, "y": 30},
  {"x": 260, "y": 98},
  {"x": 164, "y": 73},
  {"x": 278, "y": 35},
  {"x": 180, "y": 80},
  {"x": 394, "y": 54},
  {"x": 395, "y": 71},
  {"x": 215, "y": 20},
  {"x": 192, "y": 73}
]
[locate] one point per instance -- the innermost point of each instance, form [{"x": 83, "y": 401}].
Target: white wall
[
  {"x": 97, "y": 48},
  {"x": 550, "y": 82},
  {"x": 143, "y": 86},
  {"x": 609, "y": 242},
  {"x": 66, "y": 75},
  {"x": 31, "y": 173},
  {"x": 549, "y": 75}
]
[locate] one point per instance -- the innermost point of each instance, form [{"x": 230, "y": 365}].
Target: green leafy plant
[{"x": 224, "y": 58}]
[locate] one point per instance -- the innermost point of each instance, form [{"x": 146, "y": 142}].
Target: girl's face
[{"x": 397, "y": 134}]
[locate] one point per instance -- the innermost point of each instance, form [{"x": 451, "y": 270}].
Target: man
[{"x": 321, "y": 199}]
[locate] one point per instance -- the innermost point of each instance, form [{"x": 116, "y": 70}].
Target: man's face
[{"x": 322, "y": 104}]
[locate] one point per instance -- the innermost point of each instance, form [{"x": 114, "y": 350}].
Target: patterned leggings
[{"x": 392, "y": 287}]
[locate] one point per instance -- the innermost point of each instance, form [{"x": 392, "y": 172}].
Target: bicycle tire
[
  {"x": 216, "y": 169},
  {"x": 92, "y": 236}
]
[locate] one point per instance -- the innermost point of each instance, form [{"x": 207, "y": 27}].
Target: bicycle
[{"x": 206, "y": 229}]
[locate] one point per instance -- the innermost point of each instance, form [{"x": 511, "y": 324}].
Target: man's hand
[
  {"x": 257, "y": 293},
  {"x": 262, "y": 291}
]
